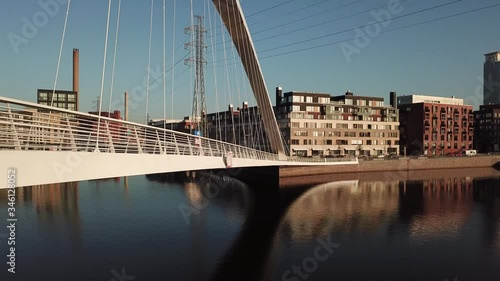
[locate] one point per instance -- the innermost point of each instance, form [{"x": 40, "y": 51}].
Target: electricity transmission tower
[{"x": 197, "y": 47}]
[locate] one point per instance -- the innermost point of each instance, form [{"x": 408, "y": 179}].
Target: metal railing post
[
  {"x": 111, "y": 147},
  {"x": 159, "y": 143},
  {"x": 176, "y": 144},
  {"x": 190, "y": 147},
  {"x": 17, "y": 143},
  {"x": 71, "y": 135},
  {"x": 210, "y": 148},
  {"x": 138, "y": 142}
]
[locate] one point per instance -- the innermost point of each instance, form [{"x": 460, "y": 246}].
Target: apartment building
[
  {"x": 318, "y": 124},
  {"x": 433, "y": 125}
]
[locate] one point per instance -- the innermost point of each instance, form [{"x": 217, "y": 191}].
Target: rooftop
[{"x": 493, "y": 53}]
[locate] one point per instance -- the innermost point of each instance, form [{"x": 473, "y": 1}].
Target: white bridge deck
[{"x": 51, "y": 145}]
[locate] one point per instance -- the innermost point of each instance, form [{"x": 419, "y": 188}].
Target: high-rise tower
[{"x": 491, "y": 93}]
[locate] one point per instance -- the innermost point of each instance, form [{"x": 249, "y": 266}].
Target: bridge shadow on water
[{"x": 249, "y": 255}]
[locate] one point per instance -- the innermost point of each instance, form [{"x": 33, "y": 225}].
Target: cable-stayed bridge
[{"x": 52, "y": 145}]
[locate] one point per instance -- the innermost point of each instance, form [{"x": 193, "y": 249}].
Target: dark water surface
[{"x": 437, "y": 226}]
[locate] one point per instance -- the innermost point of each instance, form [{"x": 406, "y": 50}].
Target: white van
[{"x": 470, "y": 152}]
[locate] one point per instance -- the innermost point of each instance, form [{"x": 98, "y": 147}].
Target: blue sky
[{"x": 441, "y": 58}]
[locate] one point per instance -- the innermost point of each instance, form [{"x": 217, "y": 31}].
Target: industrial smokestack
[
  {"x": 125, "y": 104},
  {"x": 76, "y": 75}
]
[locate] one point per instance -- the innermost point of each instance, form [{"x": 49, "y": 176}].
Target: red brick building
[
  {"x": 116, "y": 128},
  {"x": 435, "y": 125}
]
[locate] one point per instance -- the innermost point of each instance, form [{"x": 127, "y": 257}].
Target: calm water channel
[{"x": 437, "y": 226}]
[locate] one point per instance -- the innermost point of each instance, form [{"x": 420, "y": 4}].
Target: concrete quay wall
[{"x": 407, "y": 164}]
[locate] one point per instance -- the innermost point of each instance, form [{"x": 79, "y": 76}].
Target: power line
[
  {"x": 366, "y": 25},
  {"x": 320, "y": 13},
  {"x": 270, "y": 8},
  {"x": 258, "y": 12},
  {"x": 383, "y": 32},
  {"x": 308, "y": 17},
  {"x": 352, "y": 29},
  {"x": 290, "y": 12}
]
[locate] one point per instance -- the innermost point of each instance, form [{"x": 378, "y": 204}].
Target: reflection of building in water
[
  {"x": 431, "y": 208},
  {"x": 58, "y": 204},
  {"x": 194, "y": 194},
  {"x": 348, "y": 206},
  {"x": 446, "y": 205},
  {"x": 230, "y": 195},
  {"x": 487, "y": 194},
  {"x": 53, "y": 199}
]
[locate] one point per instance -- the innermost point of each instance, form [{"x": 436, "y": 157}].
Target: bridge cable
[
  {"x": 149, "y": 58},
  {"x": 217, "y": 116},
  {"x": 192, "y": 51},
  {"x": 241, "y": 127},
  {"x": 228, "y": 90},
  {"x": 164, "y": 27},
  {"x": 102, "y": 78},
  {"x": 253, "y": 73},
  {"x": 173, "y": 65},
  {"x": 247, "y": 52},
  {"x": 58, "y": 63},
  {"x": 114, "y": 55},
  {"x": 60, "y": 54}
]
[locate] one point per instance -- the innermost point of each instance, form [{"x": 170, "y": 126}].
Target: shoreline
[{"x": 392, "y": 168}]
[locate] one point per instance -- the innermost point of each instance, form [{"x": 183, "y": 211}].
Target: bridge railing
[{"x": 30, "y": 126}]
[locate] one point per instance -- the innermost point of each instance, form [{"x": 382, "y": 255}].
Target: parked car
[
  {"x": 470, "y": 152},
  {"x": 393, "y": 156}
]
